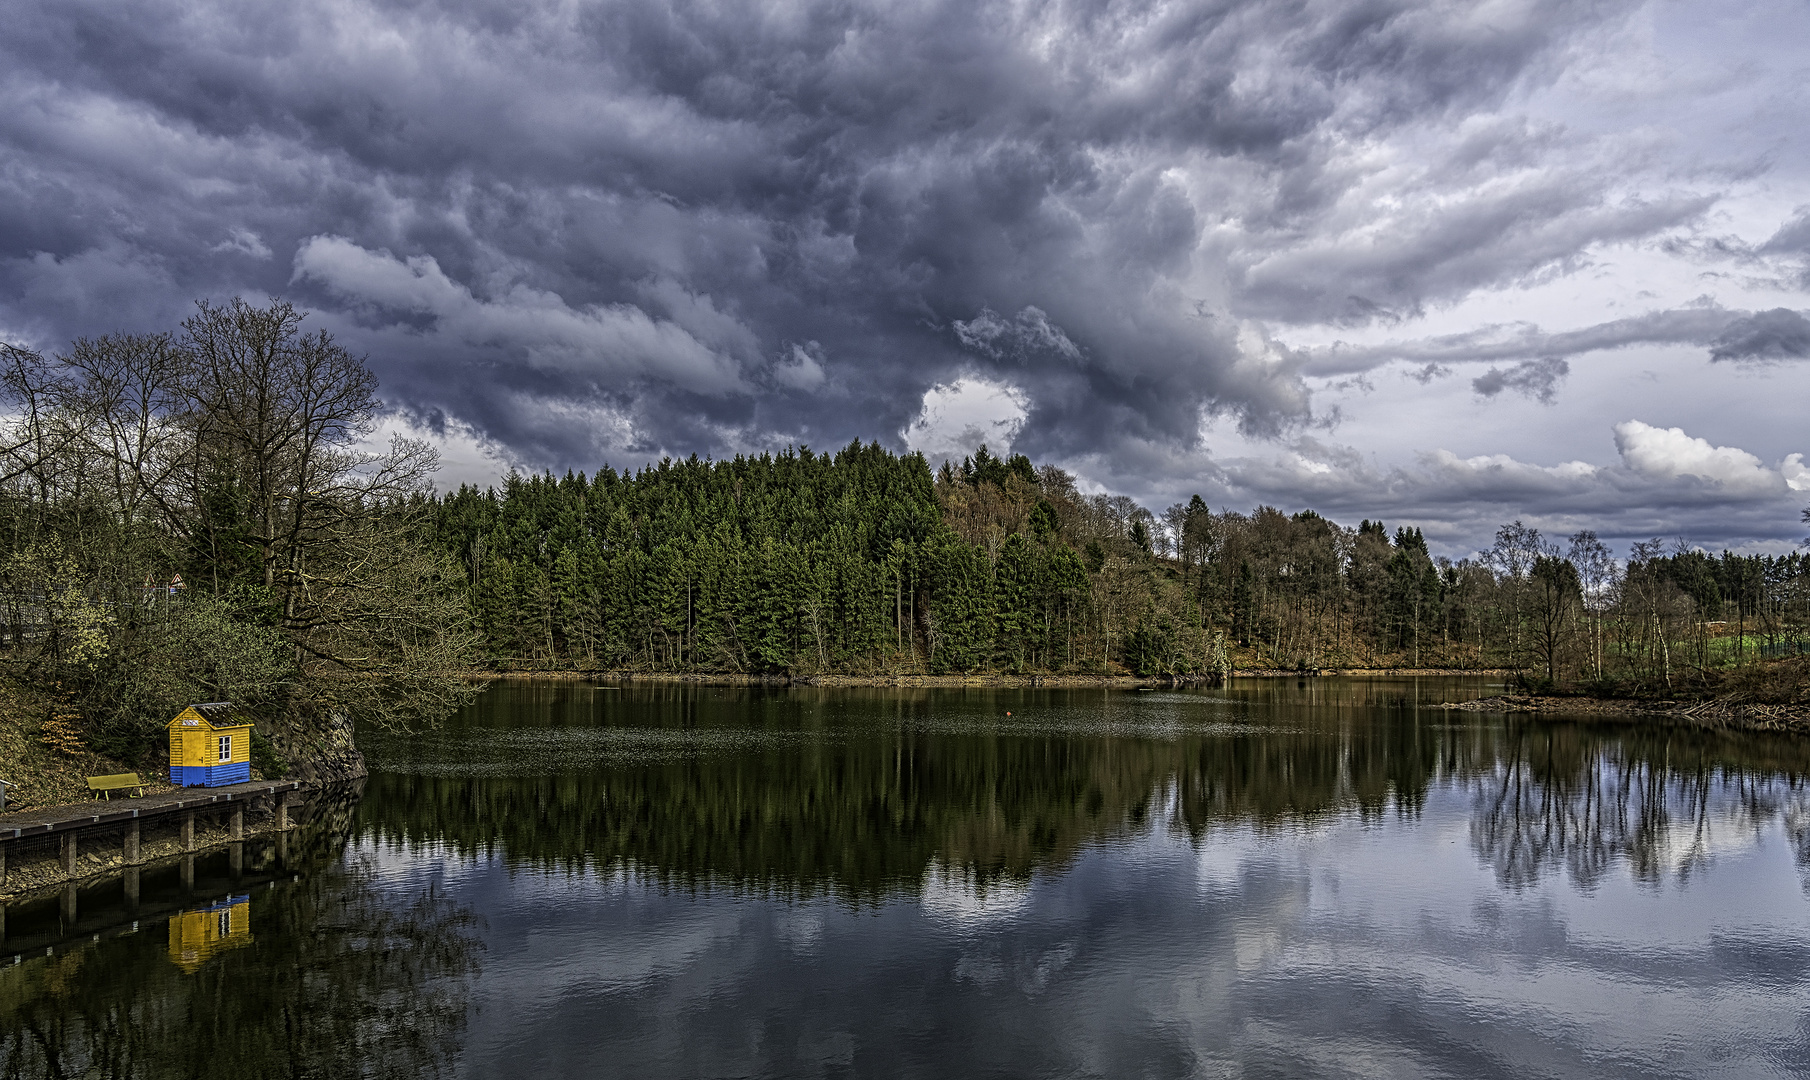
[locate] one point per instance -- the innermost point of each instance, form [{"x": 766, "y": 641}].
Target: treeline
[
  {"x": 867, "y": 562},
  {"x": 188, "y": 516}
]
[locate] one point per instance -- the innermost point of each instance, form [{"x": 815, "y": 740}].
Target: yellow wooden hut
[
  {"x": 209, "y": 746},
  {"x": 198, "y": 936}
]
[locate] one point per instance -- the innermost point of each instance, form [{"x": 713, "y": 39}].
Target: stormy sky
[{"x": 1443, "y": 263}]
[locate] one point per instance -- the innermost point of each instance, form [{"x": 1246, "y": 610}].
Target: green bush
[{"x": 264, "y": 757}]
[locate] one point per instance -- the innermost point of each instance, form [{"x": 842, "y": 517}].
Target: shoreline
[
  {"x": 1055, "y": 681},
  {"x": 1711, "y": 713}
]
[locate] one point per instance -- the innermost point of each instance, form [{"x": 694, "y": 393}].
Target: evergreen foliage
[{"x": 865, "y": 562}]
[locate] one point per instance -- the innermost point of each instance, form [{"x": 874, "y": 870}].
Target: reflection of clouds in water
[
  {"x": 800, "y": 928},
  {"x": 409, "y": 865},
  {"x": 1219, "y": 859},
  {"x": 985, "y": 964},
  {"x": 593, "y": 934},
  {"x": 1034, "y": 977},
  {"x": 1226, "y": 863},
  {"x": 1680, "y": 847},
  {"x": 960, "y": 899}
]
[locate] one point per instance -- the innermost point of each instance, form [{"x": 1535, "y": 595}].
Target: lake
[{"x": 1319, "y": 877}]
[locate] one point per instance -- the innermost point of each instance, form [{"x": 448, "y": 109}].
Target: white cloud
[
  {"x": 603, "y": 341},
  {"x": 466, "y": 457},
  {"x": 1666, "y": 453},
  {"x": 1795, "y": 472},
  {"x": 1503, "y": 471},
  {"x": 961, "y": 415}
]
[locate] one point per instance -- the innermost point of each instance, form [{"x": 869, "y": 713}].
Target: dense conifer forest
[{"x": 867, "y": 562}]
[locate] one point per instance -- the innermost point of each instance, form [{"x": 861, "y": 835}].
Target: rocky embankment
[{"x": 320, "y": 753}]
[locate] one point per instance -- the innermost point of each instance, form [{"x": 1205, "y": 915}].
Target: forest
[{"x": 867, "y": 562}]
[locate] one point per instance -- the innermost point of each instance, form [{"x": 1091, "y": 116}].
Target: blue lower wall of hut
[{"x": 210, "y": 775}]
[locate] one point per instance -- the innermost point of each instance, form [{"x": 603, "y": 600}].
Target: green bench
[{"x": 105, "y": 786}]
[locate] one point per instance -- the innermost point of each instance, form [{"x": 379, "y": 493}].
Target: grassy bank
[{"x": 43, "y": 756}]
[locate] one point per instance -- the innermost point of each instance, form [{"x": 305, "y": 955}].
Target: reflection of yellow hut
[
  {"x": 209, "y": 747},
  {"x": 196, "y": 936}
]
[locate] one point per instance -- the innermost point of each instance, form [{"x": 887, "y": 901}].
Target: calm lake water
[{"x": 1331, "y": 877}]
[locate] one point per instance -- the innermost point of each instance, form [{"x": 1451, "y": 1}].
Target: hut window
[{"x": 226, "y": 748}]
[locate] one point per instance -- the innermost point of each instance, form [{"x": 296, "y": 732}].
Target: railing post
[
  {"x": 236, "y": 829},
  {"x": 69, "y": 853},
  {"x": 132, "y": 842},
  {"x": 188, "y": 832}
]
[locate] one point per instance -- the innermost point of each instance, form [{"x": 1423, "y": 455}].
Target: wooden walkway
[
  {"x": 67, "y": 823},
  {"x": 106, "y": 812}
]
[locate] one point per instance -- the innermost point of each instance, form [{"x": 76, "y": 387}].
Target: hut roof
[{"x": 216, "y": 714}]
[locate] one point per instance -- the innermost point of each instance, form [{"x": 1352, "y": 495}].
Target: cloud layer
[{"x": 587, "y": 232}]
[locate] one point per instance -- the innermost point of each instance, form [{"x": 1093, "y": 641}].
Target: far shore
[
  {"x": 992, "y": 680},
  {"x": 1713, "y": 713}
]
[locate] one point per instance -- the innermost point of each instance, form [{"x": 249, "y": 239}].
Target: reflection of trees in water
[
  {"x": 341, "y": 978},
  {"x": 1268, "y": 777},
  {"x": 1797, "y": 827},
  {"x": 860, "y": 819},
  {"x": 872, "y": 812},
  {"x": 769, "y": 791},
  {"x": 1557, "y": 796}
]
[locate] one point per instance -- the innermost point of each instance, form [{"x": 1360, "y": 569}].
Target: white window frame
[{"x": 226, "y": 748}]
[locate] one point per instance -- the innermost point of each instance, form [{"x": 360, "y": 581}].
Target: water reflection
[
  {"x": 342, "y": 977},
  {"x": 1661, "y": 802},
  {"x": 198, "y": 936},
  {"x": 863, "y": 794}
]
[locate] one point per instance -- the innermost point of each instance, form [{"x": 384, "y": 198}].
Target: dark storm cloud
[
  {"x": 1779, "y": 334},
  {"x": 1536, "y": 379},
  {"x": 1791, "y": 245},
  {"x": 594, "y": 230}
]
